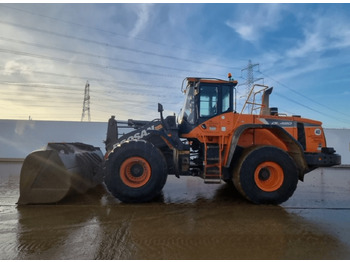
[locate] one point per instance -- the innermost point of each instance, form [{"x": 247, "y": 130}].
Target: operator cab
[{"x": 205, "y": 98}]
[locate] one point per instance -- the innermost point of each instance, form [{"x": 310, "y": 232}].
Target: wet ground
[{"x": 191, "y": 220}]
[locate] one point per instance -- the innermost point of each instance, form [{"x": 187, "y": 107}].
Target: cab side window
[{"x": 226, "y": 99}]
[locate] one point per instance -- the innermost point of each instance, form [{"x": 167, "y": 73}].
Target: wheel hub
[
  {"x": 136, "y": 170},
  {"x": 264, "y": 174}
]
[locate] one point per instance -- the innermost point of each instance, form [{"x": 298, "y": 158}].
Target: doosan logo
[{"x": 139, "y": 135}]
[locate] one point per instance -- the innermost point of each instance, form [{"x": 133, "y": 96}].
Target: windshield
[{"x": 188, "y": 109}]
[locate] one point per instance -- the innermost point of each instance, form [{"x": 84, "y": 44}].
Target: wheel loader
[{"x": 258, "y": 150}]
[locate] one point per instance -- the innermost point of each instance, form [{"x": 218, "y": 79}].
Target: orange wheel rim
[
  {"x": 135, "y": 172},
  {"x": 269, "y": 176}
]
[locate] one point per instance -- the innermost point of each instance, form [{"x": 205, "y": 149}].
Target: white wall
[
  {"x": 20, "y": 137},
  {"x": 340, "y": 140}
]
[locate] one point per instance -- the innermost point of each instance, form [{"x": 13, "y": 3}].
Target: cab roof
[{"x": 211, "y": 80}]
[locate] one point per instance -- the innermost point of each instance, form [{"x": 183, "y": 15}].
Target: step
[
  {"x": 213, "y": 158},
  {"x": 212, "y": 181},
  {"x": 214, "y": 170},
  {"x": 212, "y": 177},
  {"x": 213, "y": 152}
]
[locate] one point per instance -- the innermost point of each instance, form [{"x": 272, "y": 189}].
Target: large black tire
[
  {"x": 266, "y": 175},
  {"x": 136, "y": 171}
]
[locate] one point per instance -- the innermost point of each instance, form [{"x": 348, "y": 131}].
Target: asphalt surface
[{"x": 191, "y": 220}]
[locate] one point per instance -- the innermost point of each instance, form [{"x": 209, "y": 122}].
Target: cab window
[{"x": 208, "y": 102}]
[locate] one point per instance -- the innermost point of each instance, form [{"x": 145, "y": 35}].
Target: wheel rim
[
  {"x": 269, "y": 176},
  {"x": 135, "y": 172}
]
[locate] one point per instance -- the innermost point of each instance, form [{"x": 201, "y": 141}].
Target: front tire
[
  {"x": 136, "y": 171},
  {"x": 266, "y": 175}
]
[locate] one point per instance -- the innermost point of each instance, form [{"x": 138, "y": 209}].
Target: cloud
[
  {"x": 321, "y": 34},
  {"x": 143, "y": 14},
  {"x": 252, "y": 23},
  {"x": 14, "y": 67},
  {"x": 318, "y": 44}
]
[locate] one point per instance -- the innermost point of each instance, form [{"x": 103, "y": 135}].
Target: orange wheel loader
[{"x": 261, "y": 152}]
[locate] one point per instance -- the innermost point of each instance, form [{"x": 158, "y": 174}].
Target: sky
[{"x": 135, "y": 56}]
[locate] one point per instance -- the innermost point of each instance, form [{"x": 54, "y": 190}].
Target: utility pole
[
  {"x": 86, "y": 103},
  {"x": 250, "y": 80}
]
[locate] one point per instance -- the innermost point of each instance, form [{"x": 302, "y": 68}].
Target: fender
[
  {"x": 160, "y": 133},
  {"x": 295, "y": 149}
]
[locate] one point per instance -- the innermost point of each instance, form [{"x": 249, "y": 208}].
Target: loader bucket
[{"x": 61, "y": 169}]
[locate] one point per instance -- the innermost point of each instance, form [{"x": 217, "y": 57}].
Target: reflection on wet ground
[{"x": 191, "y": 220}]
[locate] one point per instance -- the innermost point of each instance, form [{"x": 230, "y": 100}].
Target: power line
[
  {"x": 95, "y": 79},
  {"x": 85, "y": 40},
  {"x": 306, "y": 106},
  {"x": 65, "y": 91},
  {"x": 314, "y": 110},
  {"x": 15, "y": 52},
  {"x": 40, "y": 86},
  {"x": 57, "y": 59},
  {"x": 103, "y": 30},
  {"x": 41, "y": 99},
  {"x": 307, "y": 98},
  {"x": 75, "y": 52}
]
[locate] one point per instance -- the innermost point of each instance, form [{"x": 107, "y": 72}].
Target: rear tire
[
  {"x": 266, "y": 175},
  {"x": 136, "y": 171}
]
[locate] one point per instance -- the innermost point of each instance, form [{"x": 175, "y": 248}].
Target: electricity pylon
[{"x": 86, "y": 103}]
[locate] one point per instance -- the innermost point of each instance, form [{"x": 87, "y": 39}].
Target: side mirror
[{"x": 160, "y": 108}]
